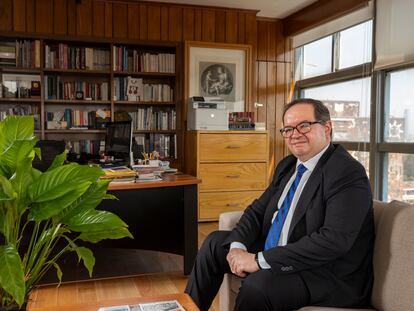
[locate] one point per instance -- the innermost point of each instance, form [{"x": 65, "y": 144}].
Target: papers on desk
[
  {"x": 170, "y": 305},
  {"x": 119, "y": 174}
]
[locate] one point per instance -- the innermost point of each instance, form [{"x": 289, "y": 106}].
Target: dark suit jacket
[{"x": 331, "y": 237}]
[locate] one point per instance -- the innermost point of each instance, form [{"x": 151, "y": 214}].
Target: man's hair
[{"x": 320, "y": 110}]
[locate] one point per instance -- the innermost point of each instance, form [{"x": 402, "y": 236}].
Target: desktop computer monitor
[{"x": 118, "y": 141}]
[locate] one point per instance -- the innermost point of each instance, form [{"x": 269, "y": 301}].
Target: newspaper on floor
[{"x": 168, "y": 305}]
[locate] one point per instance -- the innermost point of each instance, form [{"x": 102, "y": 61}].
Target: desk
[{"x": 161, "y": 215}]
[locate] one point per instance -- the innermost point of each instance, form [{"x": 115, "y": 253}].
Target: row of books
[
  {"x": 21, "y": 53},
  {"x": 151, "y": 118},
  {"x": 19, "y": 89},
  {"x": 63, "y": 56},
  {"x": 125, "y": 59},
  {"x": 133, "y": 89},
  {"x": 21, "y": 110},
  {"x": 76, "y": 119},
  {"x": 164, "y": 144},
  {"x": 86, "y": 146},
  {"x": 56, "y": 88}
]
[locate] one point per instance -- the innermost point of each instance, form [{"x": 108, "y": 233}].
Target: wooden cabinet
[{"x": 232, "y": 166}]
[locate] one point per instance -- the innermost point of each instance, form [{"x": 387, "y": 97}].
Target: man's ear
[{"x": 328, "y": 128}]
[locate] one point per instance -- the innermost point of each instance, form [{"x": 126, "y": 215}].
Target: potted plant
[{"x": 44, "y": 215}]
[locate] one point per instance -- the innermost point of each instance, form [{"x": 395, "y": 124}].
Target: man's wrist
[{"x": 256, "y": 258}]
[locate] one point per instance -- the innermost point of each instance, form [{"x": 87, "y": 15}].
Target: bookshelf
[{"x": 85, "y": 83}]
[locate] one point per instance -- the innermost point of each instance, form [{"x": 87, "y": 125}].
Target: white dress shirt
[{"x": 310, "y": 166}]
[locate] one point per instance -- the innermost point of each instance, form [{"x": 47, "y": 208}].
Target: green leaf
[
  {"x": 17, "y": 151},
  {"x": 110, "y": 197},
  {"x": 17, "y": 128},
  {"x": 96, "y": 236},
  {"x": 88, "y": 201},
  {"x": 21, "y": 181},
  {"x": 58, "y": 161},
  {"x": 6, "y": 189},
  {"x": 11, "y": 273},
  {"x": 87, "y": 256},
  {"x": 61, "y": 180},
  {"x": 92, "y": 220},
  {"x": 45, "y": 210}
]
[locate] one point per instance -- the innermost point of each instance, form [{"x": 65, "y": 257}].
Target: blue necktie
[{"x": 275, "y": 230}]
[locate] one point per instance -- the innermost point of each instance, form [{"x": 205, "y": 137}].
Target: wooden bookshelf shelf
[
  {"x": 20, "y": 100},
  {"x": 144, "y": 74},
  {"x": 76, "y": 71},
  {"x": 20, "y": 70},
  {"x": 75, "y": 131},
  {"x": 150, "y": 103},
  {"x": 77, "y": 102},
  {"x": 155, "y": 131}
]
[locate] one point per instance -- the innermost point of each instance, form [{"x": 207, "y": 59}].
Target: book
[
  {"x": 120, "y": 172},
  {"x": 167, "y": 305}
]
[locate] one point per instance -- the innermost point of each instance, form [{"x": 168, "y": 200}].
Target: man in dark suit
[{"x": 308, "y": 240}]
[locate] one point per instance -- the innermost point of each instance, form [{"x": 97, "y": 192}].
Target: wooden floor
[{"x": 151, "y": 274}]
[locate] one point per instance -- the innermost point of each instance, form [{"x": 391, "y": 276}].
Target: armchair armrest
[{"x": 228, "y": 221}]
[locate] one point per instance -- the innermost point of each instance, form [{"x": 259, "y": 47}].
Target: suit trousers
[{"x": 262, "y": 290}]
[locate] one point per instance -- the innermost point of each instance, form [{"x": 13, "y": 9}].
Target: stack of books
[
  {"x": 7, "y": 54},
  {"x": 119, "y": 174},
  {"x": 241, "y": 121},
  {"x": 147, "y": 173}
]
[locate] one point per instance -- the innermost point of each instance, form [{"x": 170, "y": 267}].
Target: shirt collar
[{"x": 311, "y": 163}]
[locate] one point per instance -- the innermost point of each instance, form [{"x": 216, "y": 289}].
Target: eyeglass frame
[{"x": 283, "y": 130}]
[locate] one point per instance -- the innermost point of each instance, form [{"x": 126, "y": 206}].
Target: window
[
  {"x": 399, "y": 108},
  {"x": 337, "y": 70},
  {"x": 348, "y": 104},
  {"x": 317, "y": 58},
  {"x": 397, "y": 145},
  {"x": 355, "y": 45},
  {"x": 399, "y": 177}
]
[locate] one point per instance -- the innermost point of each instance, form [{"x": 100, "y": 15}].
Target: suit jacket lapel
[{"x": 308, "y": 192}]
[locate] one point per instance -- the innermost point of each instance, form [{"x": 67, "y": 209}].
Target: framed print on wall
[{"x": 218, "y": 70}]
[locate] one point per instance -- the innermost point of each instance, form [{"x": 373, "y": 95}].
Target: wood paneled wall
[{"x": 134, "y": 20}]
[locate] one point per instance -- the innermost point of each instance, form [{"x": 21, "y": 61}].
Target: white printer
[{"x": 207, "y": 113}]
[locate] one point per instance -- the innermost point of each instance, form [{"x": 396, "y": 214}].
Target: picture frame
[{"x": 219, "y": 70}]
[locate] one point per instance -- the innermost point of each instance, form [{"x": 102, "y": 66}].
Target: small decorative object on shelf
[
  {"x": 79, "y": 95},
  {"x": 35, "y": 89},
  {"x": 241, "y": 121},
  {"x": 135, "y": 89}
]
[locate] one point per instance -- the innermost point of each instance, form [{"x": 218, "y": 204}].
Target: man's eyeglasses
[{"x": 302, "y": 128}]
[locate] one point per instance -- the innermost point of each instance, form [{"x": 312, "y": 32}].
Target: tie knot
[{"x": 301, "y": 169}]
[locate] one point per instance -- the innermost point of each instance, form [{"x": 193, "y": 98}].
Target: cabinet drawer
[
  {"x": 233, "y": 176},
  {"x": 212, "y": 204},
  {"x": 233, "y": 147}
]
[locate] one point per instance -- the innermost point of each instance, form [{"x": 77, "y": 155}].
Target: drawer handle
[
  {"x": 233, "y": 147},
  {"x": 233, "y": 176},
  {"x": 232, "y": 204}
]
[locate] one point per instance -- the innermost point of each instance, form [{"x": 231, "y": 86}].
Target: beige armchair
[{"x": 393, "y": 260}]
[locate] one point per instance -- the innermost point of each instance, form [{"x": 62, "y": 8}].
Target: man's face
[{"x": 306, "y": 146}]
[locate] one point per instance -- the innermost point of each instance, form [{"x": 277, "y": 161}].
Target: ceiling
[{"x": 268, "y": 8}]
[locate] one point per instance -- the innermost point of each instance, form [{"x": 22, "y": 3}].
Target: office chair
[{"x": 50, "y": 149}]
